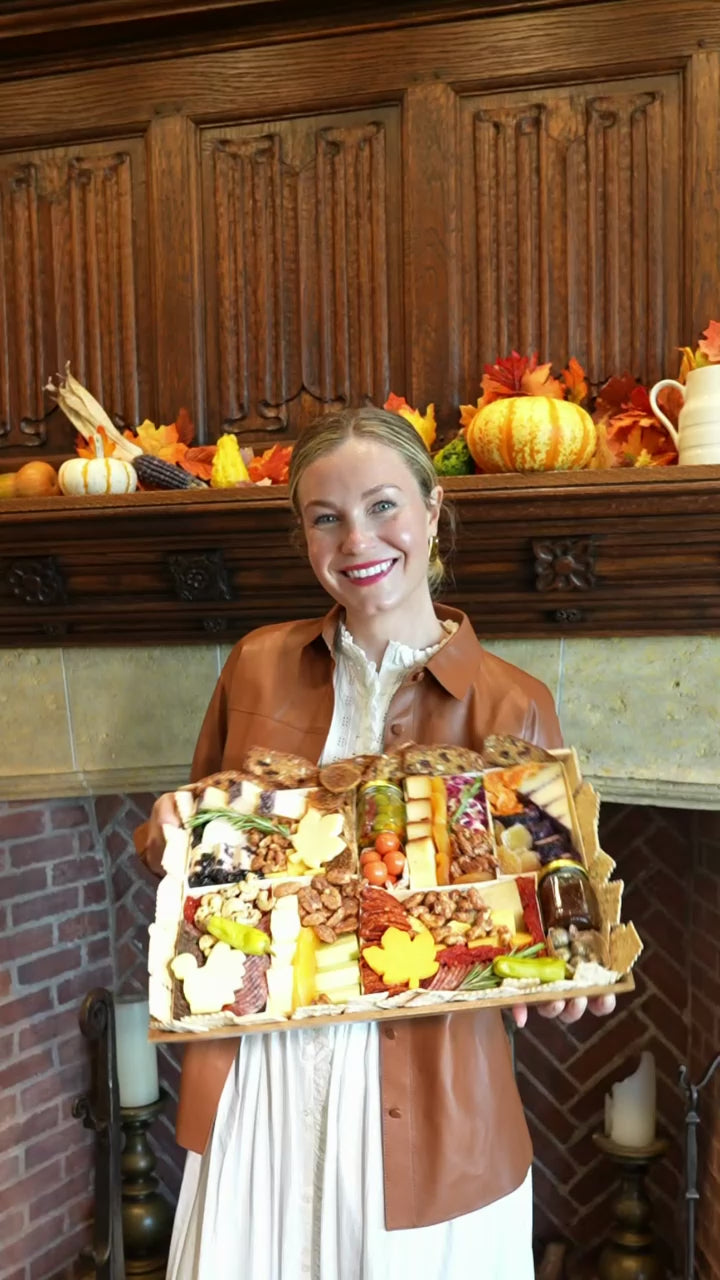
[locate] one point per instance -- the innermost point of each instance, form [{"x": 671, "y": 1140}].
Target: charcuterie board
[{"x": 430, "y": 880}]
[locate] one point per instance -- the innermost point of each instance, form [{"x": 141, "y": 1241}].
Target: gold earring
[{"x": 434, "y": 549}]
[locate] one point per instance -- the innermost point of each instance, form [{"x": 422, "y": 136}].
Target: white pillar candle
[
  {"x": 136, "y": 1058},
  {"x": 630, "y": 1111}
]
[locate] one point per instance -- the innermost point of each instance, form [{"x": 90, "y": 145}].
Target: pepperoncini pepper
[
  {"x": 541, "y": 968},
  {"x": 243, "y": 937}
]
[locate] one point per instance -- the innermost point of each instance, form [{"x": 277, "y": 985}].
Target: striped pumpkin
[
  {"x": 531, "y": 433},
  {"x": 97, "y": 475}
]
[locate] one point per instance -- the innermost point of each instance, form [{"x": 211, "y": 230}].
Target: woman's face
[{"x": 368, "y": 528}]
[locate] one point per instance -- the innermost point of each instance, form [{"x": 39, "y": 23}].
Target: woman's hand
[
  {"x": 566, "y": 1010},
  {"x": 163, "y": 812}
]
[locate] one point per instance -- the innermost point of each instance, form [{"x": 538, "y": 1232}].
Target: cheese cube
[
  {"x": 336, "y": 979},
  {"x": 419, "y": 830},
  {"x": 418, "y": 811},
  {"x": 418, "y": 787},
  {"x": 421, "y": 863},
  {"x": 333, "y": 955}
]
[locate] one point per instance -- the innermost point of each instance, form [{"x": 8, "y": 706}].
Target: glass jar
[
  {"x": 381, "y": 807},
  {"x": 567, "y": 897}
]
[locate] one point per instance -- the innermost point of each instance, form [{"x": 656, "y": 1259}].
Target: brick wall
[{"x": 62, "y": 863}]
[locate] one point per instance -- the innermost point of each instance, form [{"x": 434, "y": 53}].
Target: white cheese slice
[
  {"x": 280, "y": 991},
  {"x": 220, "y": 831},
  {"x": 177, "y": 843},
  {"x": 289, "y": 804},
  {"x": 336, "y": 979},
  {"x": 248, "y": 799}
]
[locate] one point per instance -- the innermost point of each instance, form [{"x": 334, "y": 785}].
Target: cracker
[
  {"x": 280, "y": 770},
  {"x": 501, "y": 749},
  {"x": 625, "y": 947},
  {"x": 609, "y": 898},
  {"x": 442, "y": 760},
  {"x": 601, "y": 868}
]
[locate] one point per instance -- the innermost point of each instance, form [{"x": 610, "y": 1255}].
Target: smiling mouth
[{"x": 364, "y": 574}]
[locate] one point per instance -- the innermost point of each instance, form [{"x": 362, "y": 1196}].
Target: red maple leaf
[{"x": 709, "y": 344}]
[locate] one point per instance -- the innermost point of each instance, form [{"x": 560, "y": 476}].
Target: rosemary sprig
[
  {"x": 241, "y": 821},
  {"x": 482, "y": 978}
]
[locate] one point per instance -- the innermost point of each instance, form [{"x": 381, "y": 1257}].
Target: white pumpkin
[{"x": 97, "y": 475}]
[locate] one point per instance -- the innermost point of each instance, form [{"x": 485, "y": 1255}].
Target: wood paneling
[
  {"x": 302, "y": 262},
  {"x": 572, "y": 228},
  {"x": 73, "y": 266}
]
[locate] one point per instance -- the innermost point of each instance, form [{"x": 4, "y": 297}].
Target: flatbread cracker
[
  {"x": 609, "y": 898},
  {"x": 500, "y": 749},
  {"x": 625, "y": 947},
  {"x": 442, "y": 760},
  {"x": 279, "y": 770}
]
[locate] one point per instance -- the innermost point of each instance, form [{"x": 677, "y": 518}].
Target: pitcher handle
[{"x": 666, "y": 382}]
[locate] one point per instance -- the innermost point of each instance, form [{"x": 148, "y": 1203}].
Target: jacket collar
[{"x": 454, "y": 665}]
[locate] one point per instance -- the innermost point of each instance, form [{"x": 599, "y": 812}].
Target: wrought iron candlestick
[
  {"x": 631, "y": 1252},
  {"x": 100, "y": 1110},
  {"x": 692, "y": 1195}
]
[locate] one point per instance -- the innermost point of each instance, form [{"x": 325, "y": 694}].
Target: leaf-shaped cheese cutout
[
  {"x": 401, "y": 959},
  {"x": 208, "y": 988},
  {"x": 317, "y": 839}
]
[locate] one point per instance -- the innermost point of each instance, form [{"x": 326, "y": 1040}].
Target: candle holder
[
  {"x": 147, "y": 1217},
  {"x": 631, "y": 1251}
]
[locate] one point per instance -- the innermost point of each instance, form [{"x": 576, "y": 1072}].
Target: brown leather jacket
[{"x": 454, "y": 1133}]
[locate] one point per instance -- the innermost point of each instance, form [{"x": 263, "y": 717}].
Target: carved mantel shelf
[{"x": 585, "y": 554}]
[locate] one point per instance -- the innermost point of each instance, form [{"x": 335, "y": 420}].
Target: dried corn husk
[{"x": 86, "y": 414}]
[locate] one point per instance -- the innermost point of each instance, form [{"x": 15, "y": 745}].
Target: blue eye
[
  {"x": 384, "y": 505},
  {"x": 323, "y": 519}
]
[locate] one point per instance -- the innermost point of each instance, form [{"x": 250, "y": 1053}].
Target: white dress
[{"x": 291, "y": 1184}]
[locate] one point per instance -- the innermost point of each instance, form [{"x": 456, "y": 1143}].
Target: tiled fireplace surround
[{"x": 90, "y": 735}]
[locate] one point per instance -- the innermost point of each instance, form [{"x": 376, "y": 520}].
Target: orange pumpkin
[
  {"x": 531, "y": 433},
  {"x": 34, "y": 480}
]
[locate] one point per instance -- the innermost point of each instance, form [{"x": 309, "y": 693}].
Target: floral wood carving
[
  {"x": 565, "y": 564},
  {"x": 38, "y": 581},
  {"x": 200, "y": 576}
]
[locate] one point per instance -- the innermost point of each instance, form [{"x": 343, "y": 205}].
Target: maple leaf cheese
[{"x": 317, "y": 839}]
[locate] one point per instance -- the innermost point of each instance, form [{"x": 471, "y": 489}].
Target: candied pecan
[
  {"x": 313, "y": 919},
  {"x": 325, "y": 933},
  {"x": 335, "y": 918},
  {"x": 331, "y": 898},
  {"x": 284, "y": 890},
  {"x": 339, "y": 875},
  {"x": 310, "y": 900},
  {"x": 345, "y": 926}
]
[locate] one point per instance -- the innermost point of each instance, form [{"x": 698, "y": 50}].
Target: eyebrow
[{"x": 326, "y": 502}]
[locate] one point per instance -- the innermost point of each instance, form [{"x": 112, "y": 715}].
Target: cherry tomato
[
  {"x": 395, "y": 862},
  {"x": 375, "y": 872},
  {"x": 190, "y": 906},
  {"x": 386, "y": 842},
  {"x": 369, "y": 855}
]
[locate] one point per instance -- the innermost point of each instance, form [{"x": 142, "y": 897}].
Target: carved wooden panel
[
  {"x": 572, "y": 233},
  {"x": 302, "y": 264},
  {"x": 72, "y": 266}
]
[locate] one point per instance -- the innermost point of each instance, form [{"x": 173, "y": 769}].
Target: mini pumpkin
[
  {"x": 97, "y": 475},
  {"x": 35, "y": 480},
  {"x": 531, "y": 433}
]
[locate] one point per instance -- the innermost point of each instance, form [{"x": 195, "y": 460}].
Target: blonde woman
[{"x": 364, "y": 1151}]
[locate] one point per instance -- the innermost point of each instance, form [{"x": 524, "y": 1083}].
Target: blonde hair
[{"x": 328, "y": 433}]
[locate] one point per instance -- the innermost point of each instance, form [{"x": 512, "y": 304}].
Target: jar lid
[{"x": 561, "y": 862}]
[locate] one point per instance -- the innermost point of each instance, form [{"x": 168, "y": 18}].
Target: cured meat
[{"x": 252, "y": 996}]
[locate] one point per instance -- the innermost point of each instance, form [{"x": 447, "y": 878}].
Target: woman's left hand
[{"x": 566, "y": 1010}]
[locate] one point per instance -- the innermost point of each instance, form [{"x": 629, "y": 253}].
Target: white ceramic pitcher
[{"x": 698, "y": 438}]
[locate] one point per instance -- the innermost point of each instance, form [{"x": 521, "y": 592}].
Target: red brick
[
  {"x": 86, "y": 841},
  {"x": 68, "y": 815},
  {"x": 25, "y": 1007},
  {"x": 117, "y": 844},
  {"x": 45, "y": 1030},
  {"x": 9, "y": 1167},
  {"x": 12, "y": 1225},
  {"x": 107, "y": 808},
  {"x": 81, "y": 1157},
  {"x": 27, "y": 853},
  {"x": 8, "y": 1107},
  {"x": 94, "y": 894},
  {"x": 30, "y": 1126},
  {"x": 5, "y": 983},
  {"x": 76, "y": 870},
  {"x": 74, "y": 990},
  {"x": 706, "y": 888},
  {"x": 19, "y": 943},
  {"x": 23, "y": 822},
  {"x": 42, "y": 1205},
  {"x": 19, "y": 884},
  {"x": 54, "y": 902},
  {"x": 72, "y": 1048},
  {"x": 61, "y": 961},
  {"x": 71, "y": 1080},
  {"x": 25, "y": 1068},
  {"x": 83, "y": 925},
  {"x": 97, "y": 949},
  {"x": 62, "y": 1254}
]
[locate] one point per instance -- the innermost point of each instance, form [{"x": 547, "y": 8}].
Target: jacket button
[
  {"x": 389, "y": 1033},
  {"x": 396, "y": 729},
  {"x": 395, "y": 1112}
]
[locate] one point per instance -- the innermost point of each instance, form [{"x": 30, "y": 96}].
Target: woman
[{"x": 344, "y": 1153}]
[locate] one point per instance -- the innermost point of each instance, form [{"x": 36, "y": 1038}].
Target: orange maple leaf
[
  {"x": 86, "y": 448},
  {"x": 636, "y": 438},
  {"x": 575, "y": 381},
  {"x": 709, "y": 344},
  {"x": 158, "y": 442},
  {"x": 539, "y": 382},
  {"x": 184, "y": 427},
  {"x": 198, "y": 460},
  {"x": 424, "y": 423},
  {"x": 272, "y": 465},
  {"x": 468, "y": 411}
]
